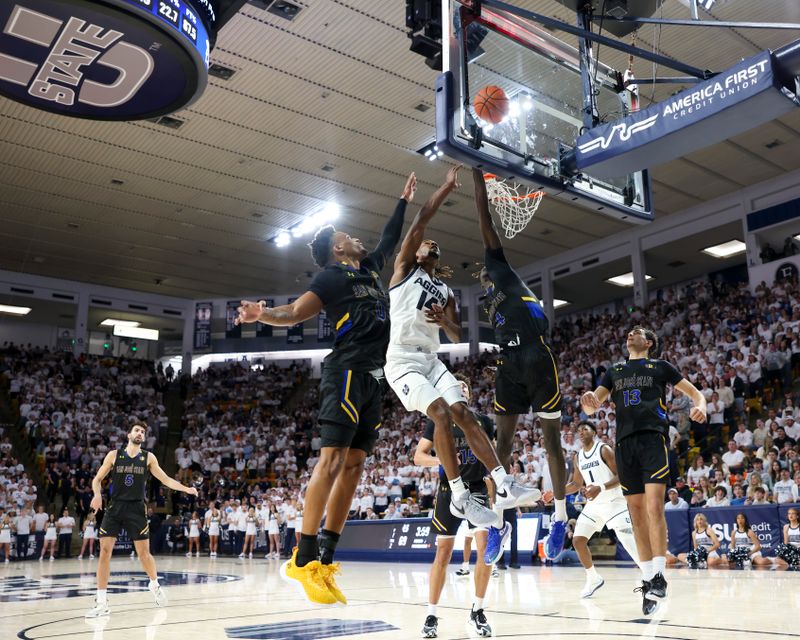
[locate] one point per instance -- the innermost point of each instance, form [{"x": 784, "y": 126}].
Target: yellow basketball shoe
[
  {"x": 328, "y": 572},
  {"x": 309, "y": 579}
]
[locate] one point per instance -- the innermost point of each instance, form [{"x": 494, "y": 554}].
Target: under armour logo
[{"x": 73, "y": 46}]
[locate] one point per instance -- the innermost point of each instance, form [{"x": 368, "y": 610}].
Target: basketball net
[{"x": 514, "y": 203}]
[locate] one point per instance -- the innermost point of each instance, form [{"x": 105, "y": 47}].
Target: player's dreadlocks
[{"x": 322, "y": 246}]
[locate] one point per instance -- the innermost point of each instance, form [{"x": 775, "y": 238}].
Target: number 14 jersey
[
  {"x": 409, "y": 299},
  {"x": 638, "y": 390}
]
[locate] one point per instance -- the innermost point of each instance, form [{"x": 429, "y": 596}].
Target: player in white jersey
[
  {"x": 595, "y": 469},
  {"x": 420, "y": 304}
]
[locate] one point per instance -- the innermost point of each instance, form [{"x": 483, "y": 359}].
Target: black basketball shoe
[
  {"x": 658, "y": 587},
  {"x": 478, "y": 622},
  {"x": 431, "y": 627},
  {"x": 648, "y": 606}
]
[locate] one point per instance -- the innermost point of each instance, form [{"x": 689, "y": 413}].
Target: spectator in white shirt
[
  {"x": 697, "y": 471},
  {"x": 733, "y": 458},
  {"x": 719, "y": 499},
  {"x": 675, "y": 502},
  {"x": 65, "y": 525},
  {"x": 743, "y": 436},
  {"x": 784, "y": 490},
  {"x": 24, "y": 522}
]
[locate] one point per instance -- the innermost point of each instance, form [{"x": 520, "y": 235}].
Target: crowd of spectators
[{"x": 249, "y": 436}]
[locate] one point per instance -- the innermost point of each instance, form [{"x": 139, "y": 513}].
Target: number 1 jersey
[
  {"x": 409, "y": 299},
  {"x": 638, "y": 390}
]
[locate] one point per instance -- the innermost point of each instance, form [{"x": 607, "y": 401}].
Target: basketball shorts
[
  {"x": 350, "y": 408},
  {"x": 608, "y": 513},
  {"x": 527, "y": 378},
  {"x": 642, "y": 458},
  {"x": 125, "y": 514},
  {"x": 420, "y": 378},
  {"x": 444, "y": 522}
]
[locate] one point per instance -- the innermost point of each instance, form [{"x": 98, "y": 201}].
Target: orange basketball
[{"x": 491, "y": 104}]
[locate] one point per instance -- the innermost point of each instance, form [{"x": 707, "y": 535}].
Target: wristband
[{"x": 603, "y": 487}]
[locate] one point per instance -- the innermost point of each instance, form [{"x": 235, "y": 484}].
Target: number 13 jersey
[
  {"x": 408, "y": 301},
  {"x": 638, "y": 391}
]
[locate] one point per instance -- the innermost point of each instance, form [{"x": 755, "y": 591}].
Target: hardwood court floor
[{"x": 228, "y": 598}]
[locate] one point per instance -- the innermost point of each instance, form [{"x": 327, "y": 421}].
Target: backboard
[{"x": 541, "y": 75}]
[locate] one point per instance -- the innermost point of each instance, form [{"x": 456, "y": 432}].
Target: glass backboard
[{"x": 541, "y": 75}]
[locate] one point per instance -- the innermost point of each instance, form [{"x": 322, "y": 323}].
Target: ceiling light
[
  {"x": 113, "y": 322},
  {"x": 625, "y": 279},
  {"x": 14, "y": 311},
  {"x": 726, "y": 249},
  {"x": 282, "y": 239},
  {"x": 559, "y": 303},
  {"x": 136, "y": 332},
  {"x": 797, "y": 237}
]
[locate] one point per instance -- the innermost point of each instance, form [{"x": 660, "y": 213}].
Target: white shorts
[
  {"x": 419, "y": 379},
  {"x": 608, "y": 513},
  {"x": 213, "y": 530}
]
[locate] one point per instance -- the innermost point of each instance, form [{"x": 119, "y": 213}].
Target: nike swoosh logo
[
  {"x": 459, "y": 509},
  {"x": 502, "y": 494}
]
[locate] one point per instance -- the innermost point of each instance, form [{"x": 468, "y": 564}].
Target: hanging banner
[
  {"x": 294, "y": 335},
  {"x": 265, "y": 330},
  {"x": 232, "y": 330},
  {"x": 202, "y": 326},
  {"x": 324, "y": 330}
]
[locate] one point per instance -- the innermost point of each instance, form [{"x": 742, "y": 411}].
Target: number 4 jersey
[
  {"x": 409, "y": 299},
  {"x": 638, "y": 391}
]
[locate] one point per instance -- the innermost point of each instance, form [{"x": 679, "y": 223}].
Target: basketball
[{"x": 491, "y": 104}]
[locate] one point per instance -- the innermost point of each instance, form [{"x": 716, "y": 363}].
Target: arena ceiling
[{"x": 328, "y": 107}]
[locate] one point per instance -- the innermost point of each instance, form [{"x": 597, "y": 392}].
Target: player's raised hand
[
  {"x": 452, "y": 176},
  {"x": 411, "y": 188},
  {"x": 590, "y": 401},
  {"x": 249, "y": 312},
  {"x": 697, "y": 414}
]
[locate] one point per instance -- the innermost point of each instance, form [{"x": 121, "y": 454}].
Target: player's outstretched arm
[
  {"x": 422, "y": 454},
  {"x": 406, "y": 258},
  {"x": 394, "y": 227},
  {"x": 699, "y": 410},
  {"x": 591, "y": 401},
  {"x": 491, "y": 239},
  {"x": 161, "y": 476},
  {"x": 304, "y": 308}
]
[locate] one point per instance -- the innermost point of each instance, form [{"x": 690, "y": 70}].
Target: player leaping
[
  {"x": 420, "y": 304},
  {"x": 527, "y": 376},
  {"x": 350, "y": 290},
  {"x": 638, "y": 390}
]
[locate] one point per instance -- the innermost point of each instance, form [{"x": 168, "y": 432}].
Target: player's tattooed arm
[
  {"x": 491, "y": 239},
  {"x": 304, "y": 308}
]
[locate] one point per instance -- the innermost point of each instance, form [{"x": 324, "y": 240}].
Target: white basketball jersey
[
  {"x": 595, "y": 471},
  {"x": 408, "y": 302}
]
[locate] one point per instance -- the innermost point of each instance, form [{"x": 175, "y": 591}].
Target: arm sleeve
[
  {"x": 606, "y": 381},
  {"x": 428, "y": 432},
  {"x": 500, "y": 272},
  {"x": 324, "y": 286},
  {"x": 671, "y": 374},
  {"x": 390, "y": 236}
]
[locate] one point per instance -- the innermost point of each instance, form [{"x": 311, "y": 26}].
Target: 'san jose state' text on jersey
[
  {"x": 409, "y": 300},
  {"x": 514, "y": 311},
  {"x": 469, "y": 467},
  {"x": 638, "y": 390},
  {"x": 129, "y": 476}
]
